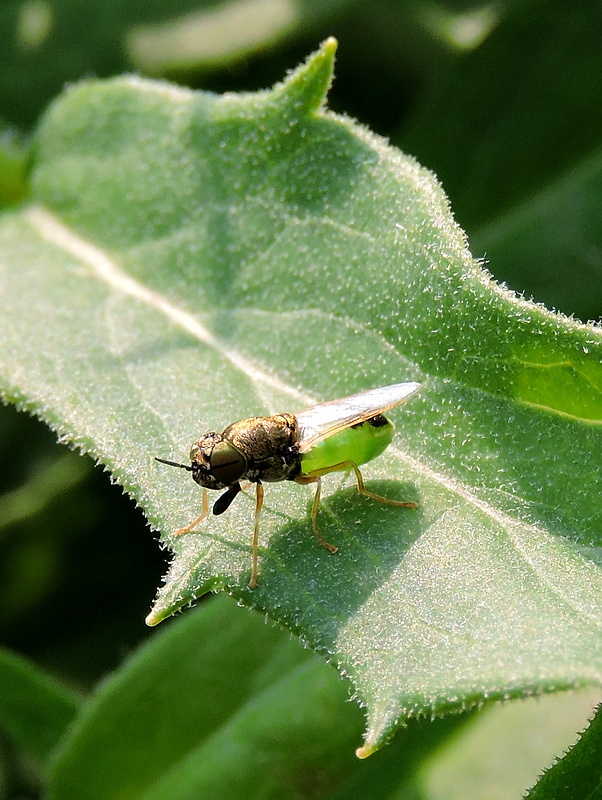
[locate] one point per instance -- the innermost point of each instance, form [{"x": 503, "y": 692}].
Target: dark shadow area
[
  {"x": 372, "y": 537},
  {"x": 77, "y": 575}
]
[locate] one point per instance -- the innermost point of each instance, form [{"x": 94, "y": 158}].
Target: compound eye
[{"x": 227, "y": 464}]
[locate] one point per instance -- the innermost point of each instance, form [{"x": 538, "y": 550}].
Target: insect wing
[{"x": 325, "y": 419}]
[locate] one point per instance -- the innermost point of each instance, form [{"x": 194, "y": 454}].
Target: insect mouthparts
[{"x": 174, "y": 464}]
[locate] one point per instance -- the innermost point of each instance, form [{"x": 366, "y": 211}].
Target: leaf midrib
[{"x": 55, "y": 232}]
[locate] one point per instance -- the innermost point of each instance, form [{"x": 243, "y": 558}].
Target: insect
[{"x": 328, "y": 437}]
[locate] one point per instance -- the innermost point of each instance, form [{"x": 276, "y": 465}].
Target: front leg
[
  {"x": 195, "y": 522},
  {"x": 258, "y": 507}
]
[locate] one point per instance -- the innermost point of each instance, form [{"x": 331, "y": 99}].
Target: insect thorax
[{"x": 269, "y": 444}]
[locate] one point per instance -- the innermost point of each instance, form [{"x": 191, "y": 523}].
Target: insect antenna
[{"x": 174, "y": 464}]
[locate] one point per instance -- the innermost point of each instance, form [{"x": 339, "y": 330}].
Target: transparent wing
[{"x": 319, "y": 422}]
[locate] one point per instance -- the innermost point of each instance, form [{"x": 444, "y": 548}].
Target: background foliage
[{"x": 501, "y": 103}]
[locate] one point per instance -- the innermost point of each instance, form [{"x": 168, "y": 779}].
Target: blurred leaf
[
  {"x": 31, "y": 568},
  {"x": 35, "y": 710},
  {"x": 309, "y": 261},
  {"x": 214, "y": 34},
  {"x": 578, "y": 774},
  {"x": 203, "y": 709},
  {"x": 513, "y": 132},
  {"x": 220, "y": 705},
  {"x": 394, "y": 771},
  {"x": 47, "y": 43},
  {"x": 67, "y": 538},
  {"x": 525, "y": 734},
  {"x": 495, "y": 136},
  {"x": 550, "y": 247},
  {"x": 53, "y": 478},
  {"x": 12, "y": 167}
]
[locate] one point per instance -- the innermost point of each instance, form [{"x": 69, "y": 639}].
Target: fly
[{"x": 328, "y": 437}]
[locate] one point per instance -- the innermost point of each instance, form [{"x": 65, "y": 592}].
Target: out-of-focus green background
[{"x": 500, "y": 99}]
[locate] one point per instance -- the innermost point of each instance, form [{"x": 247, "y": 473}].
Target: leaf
[
  {"x": 199, "y": 711},
  {"x": 534, "y": 49},
  {"x": 215, "y": 34},
  {"x": 577, "y": 774},
  {"x": 35, "y": 710},
  {"x": 52, "y": 479},
  {"x": 45, "y": 45},
  {"x": 12, "y": 166},
  {"x": 528, "y": 734},
  {"x": 519, "y": 150},
  {"x": 218, "y": 704},
  {"x": 210, "y": 258}
]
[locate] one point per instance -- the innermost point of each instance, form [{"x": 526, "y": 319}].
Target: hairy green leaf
[{"x": 190, "y": 260}]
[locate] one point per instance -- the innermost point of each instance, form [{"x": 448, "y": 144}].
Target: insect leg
[
  {"x": 258, "y": 506},
  {"x": 347, "y": 465},
  {"x": 314, "y": 517},
  {"x": 195, "y": 522},
  {"x": 362, "y": 489}
]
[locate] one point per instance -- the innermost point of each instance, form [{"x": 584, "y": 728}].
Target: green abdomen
[{"x": 360, "y": 443}]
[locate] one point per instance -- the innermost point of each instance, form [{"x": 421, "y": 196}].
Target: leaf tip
[
  {"x": 307, "y": 86},
  {"x": 154, "y": 618},
  {"x": 366, "y": 750},
  {"x": 329, "y": 49}
]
